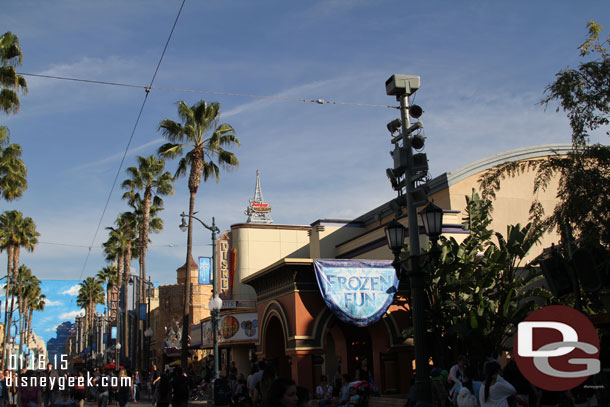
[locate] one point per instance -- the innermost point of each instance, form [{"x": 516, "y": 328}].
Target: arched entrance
[
  {"x": 345, "y": 347},
  {"x": 275, "y": 347}
]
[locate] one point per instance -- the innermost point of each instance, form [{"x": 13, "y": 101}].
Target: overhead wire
[
  {"x": 210, "y": 92},
  {"x": 133, "y": 131}
]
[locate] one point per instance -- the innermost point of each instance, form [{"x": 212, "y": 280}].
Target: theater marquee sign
[{"x": 359, "y": 292}]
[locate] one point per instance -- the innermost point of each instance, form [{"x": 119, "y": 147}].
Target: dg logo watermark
[{"x": 557, "y": 348}]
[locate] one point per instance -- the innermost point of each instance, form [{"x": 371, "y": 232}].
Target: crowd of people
[
  {"x": 51, "y": 387},
  {"x": 460, "y": 386},
  {"x": 494, "y": 386}
]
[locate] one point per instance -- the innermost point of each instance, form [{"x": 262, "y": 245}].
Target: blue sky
[{"x": 483, "y": 67}]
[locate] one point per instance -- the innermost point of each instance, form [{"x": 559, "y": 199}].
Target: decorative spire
[{"x": 258, "y": 211}]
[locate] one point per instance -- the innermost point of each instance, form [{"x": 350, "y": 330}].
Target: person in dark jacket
[
  {"x": 180, "y": 388},
  {"x": 3, "y": 390}
]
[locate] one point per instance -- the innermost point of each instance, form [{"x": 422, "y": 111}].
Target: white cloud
[
  {"x": 51, "y": 303},
  {"x": 71, "y": 315},
  {"x": 72, "y": 290},
  {"x": 118, "y": 156}
]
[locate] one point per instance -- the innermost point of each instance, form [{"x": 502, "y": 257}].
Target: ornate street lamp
[
  {"x": 432, "y": 218},
  {"x": 215, "y": 301},
  {"x": 395, "y": 234}
]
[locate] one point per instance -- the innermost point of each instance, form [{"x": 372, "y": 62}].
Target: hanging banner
[
  {"x": 143, "y": 312},
  {"x": 358, "y": 292},
  {"x": 205, "y": 270}
]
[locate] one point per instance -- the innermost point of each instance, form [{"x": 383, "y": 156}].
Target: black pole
[{"x": 416, "y": 275}]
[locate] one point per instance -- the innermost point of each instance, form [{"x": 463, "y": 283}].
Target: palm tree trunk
[
  {"x": 126, "y": 270},
  {"x": 14, "y": 279},
  {"x": 29, "y": 330},
  {"x": 9, "y": 253},
  {"x": 187, "y": 317}
]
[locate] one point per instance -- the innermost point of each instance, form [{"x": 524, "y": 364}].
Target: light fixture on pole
[
  {"x": 432, "y": 218},
  {"x": 395, "y": 234},
  {"x": 414, "y": 193}
]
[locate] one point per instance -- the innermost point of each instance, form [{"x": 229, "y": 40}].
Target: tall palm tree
[
  {"x": 123, "y": 237},
  {"x": 35, "y": 301},
  {"x": 10, "y": 82},
  {"x": 90, "y": 294},
  {"x": 16, "y": 231},
  {"x": 13, "y": 172},
  {"x": 24, "y": 282},
  {"x": 151, "y": 178},
  {"x": 205, "y": 138}
]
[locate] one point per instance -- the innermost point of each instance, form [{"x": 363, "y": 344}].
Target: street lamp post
[
  {"x": 408, "y": 172},
  {"x": 215, "y": 303}
]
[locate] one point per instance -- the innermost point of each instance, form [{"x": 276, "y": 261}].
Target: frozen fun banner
[{"x": 358, "y": 292}]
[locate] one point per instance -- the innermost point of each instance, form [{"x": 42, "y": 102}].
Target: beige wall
[
  {"x": 260, "y": 245},
  {"x": 511, "y": 205},
  {"x": 326, "y": 235}
]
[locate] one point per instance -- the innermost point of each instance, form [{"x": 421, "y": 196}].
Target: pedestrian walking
[
  {"x": 124, "y": 393},
  {"x": 495, "y": 391}
]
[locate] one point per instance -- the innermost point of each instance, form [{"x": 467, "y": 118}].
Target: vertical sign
[
  {"x": 205, "y": 269},
  {"x": 114, "y": 303},
  {"x": 223, "y": 265},
  {"x": 143, "y": 312},
  {"x": 113, "y": 332}
]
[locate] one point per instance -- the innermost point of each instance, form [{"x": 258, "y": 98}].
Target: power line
[
  {"x": 130, "y": 139},
  {"x": 209, "y": 92}
]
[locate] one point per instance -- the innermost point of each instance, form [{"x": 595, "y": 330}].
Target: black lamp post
[
  {"x": 432, "y": 219},
  {"x": 215, "y": 302}
]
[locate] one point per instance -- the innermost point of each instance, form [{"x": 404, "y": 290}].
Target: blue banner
[
  {"x": 113, "y": 332},
  {"x": 143, "y": 312},
  {"x": 205, "y": 270},
  {"x": 358, "y": 292}
]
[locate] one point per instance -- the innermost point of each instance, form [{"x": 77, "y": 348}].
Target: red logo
[{"x": 557, "y": 348}]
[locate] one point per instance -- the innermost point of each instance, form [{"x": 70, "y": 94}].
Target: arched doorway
[
  {"x": 345, "y": 346},
  {"x": 275, "y": 347}
]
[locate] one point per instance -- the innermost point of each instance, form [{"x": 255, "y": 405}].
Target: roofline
[
  {"x": 448, "y": 179},
  {"x": 282, "y": 262}
]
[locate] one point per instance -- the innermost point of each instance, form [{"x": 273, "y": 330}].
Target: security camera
[{"x": 400, "y": 85}]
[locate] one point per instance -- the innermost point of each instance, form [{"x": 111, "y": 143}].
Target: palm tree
[
  {"x": 121, "y": 241},
  {"x": 23, "y": 283},
  {"x": 206, "y": 139},
  {"x": 10, "y": 81},
  {"x": 149, "y": 176},
  {"x": 13, "y": 171},
  {"x": 35, "y": 301},
  {"x": 108, "y": 275},
  {"x": 15, "y": 232},
  {"x": 90, "y": 294}
]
